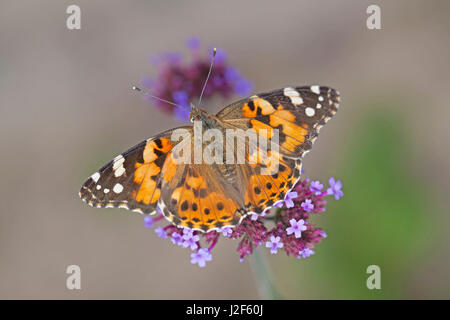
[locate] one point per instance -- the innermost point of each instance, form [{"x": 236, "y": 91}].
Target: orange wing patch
[
  {"x": 147, "y": 174},
  {"x": 154, "y": 148},
  {"x": 267, "y": 118},
  {"x": 264, "y": 190},
  {"x": 256, "y": 107},
  {"x": 170, "y": 168},
  {"x": 193, "y": 204},
  {"x": 292, "y": 135},
  {"x": 262, "y": 129}
]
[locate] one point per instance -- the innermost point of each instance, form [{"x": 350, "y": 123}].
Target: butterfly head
[
  {"x": 195, "y": 112},
  {"x": 208, "y": 120}
]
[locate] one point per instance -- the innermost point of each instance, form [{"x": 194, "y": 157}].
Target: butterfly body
[{"x": 208, "y": 196}]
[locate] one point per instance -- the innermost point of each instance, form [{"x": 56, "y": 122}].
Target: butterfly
[{"x": 148, "y": 178}]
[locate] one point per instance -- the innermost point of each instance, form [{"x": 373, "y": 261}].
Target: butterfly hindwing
[
  {"x": 197, "y": 197},
  {"x": 264, "y": 190}
]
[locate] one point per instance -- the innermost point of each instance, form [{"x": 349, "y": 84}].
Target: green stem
[{"x": 262, "y": 275}]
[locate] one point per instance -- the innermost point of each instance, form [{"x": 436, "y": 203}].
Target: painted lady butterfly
[{"x": 207, "y": 197}]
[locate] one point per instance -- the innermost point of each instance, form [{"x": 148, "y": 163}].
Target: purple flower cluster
[
  {"x": 285, "y": 228},
  {"x": 181, "y": 81}
]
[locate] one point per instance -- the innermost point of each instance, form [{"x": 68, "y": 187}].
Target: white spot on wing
[
  {"x": 106, "y": 190},
  {"x": 294, "y": 95},
  {"x": 315, "y": 89},
  {"x": 119, "y": 171},
  {"x": 309, "y": 112},
  {"x": 98, "y": 187},
  {"x": 95, "y": 177},
  {"x": 118, "y": 166},
  {"x": 118, "y": 188},
  {"x": 118, "y": 161}
]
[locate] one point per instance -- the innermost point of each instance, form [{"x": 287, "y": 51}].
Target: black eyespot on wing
[{"x": 184, "y": 205}]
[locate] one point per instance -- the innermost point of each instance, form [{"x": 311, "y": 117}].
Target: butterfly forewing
[
  {"x": 297, "y": 113},
  {"x": 132, "y": 179}
]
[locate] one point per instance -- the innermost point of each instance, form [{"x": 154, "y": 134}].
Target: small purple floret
[
  {"x": 316, "y": 187},
  {"x": 296, "y": 227},
  {"x": 161, "y": 232},
  {"x": 305, "y": 253},
  {"x": 201, "y": 257},
  {"x": 307, "y": 205},
  {"x": 176, "y": 238},
  {"x": 279, "y": 204},
  {"x": 190, "y": 240},
  {"x": 288, "y": 200},
  {"x": 227, "y": 231},
  {"x": 335, "y": 188},
  {"x": 274, "y": 244},
  {"x": 148, "y": 222}
]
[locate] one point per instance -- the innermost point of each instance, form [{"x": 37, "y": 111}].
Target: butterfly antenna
[
  {"x": 207, "y": 77},
  {"x": 157, "y": 98}
]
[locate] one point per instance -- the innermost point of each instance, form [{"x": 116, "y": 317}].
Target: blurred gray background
[{"x": 67, "y": 108}]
